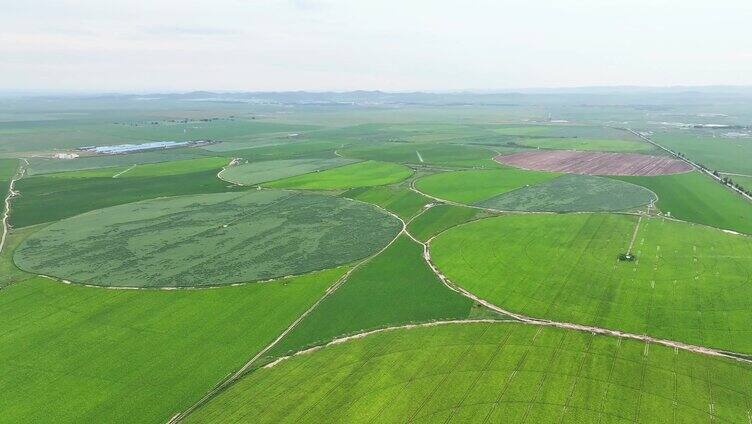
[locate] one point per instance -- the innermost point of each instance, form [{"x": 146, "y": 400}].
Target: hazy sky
[{"x": 362, "y": 44}]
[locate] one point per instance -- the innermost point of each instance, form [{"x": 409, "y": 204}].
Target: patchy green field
[
  {"x": 396, "y": 287},
  {"x": 572, "y": 193},
  {"x": 400, "y": 200},
  {"x": 9, "y": 272},
  {"x": 416, "y": 153},
  {"x": 440, "y": 217},
  {"x": 211, "y": 239},
  {"x": 697, "y": 198},
  {"x": 46, "y": 198},
  {"x": 260, "y": 172},
  {"x": 476, "y": 185},
  {"x": 78, "y": 354},
  {"x": 689, "y": 283},
  {"x": 361, "y": 174},
  {"x": 564, "y": 131},
  {"x": 598, "y": 144},
  {"x": 500, "y": 372}
]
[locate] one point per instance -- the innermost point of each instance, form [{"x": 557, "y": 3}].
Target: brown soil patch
[{"x": 594, "y": 163}]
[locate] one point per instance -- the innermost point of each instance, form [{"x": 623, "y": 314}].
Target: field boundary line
[
  {"x": 124, "y": 171},
  {"x": 232, "y": 378},
  {"x": 634, "y": 235},
  {"x": 702, "y": 170},
  {"x": 737, "y": 356},
  {"x": 20, "y": 172}
]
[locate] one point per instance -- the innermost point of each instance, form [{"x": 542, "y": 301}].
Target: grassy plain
[
  {"x": 78, "y": 354},
  {"x": 259, "y": 172},
  {"x": 210, "y": 239},
  {"x": 361, "y": 174},
  {"x": 475, "y": 185},
  {"x": 697, "y": 198},
  {"x": 398, "y": 199},
  {"x": 572, "y": 193},
  {"x": 501, "y": 372},
  {"x": 689, "y": 282},
  {"x": 440, "y": 217},
  {"x": 394, "y": 288},
  {"x": 564, "y": 131},
  {"x": 9, "y": 272},
  {"x": 601, "y": 145}
]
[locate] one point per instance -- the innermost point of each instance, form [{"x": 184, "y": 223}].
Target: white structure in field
[{"x": 65, "y": 155}]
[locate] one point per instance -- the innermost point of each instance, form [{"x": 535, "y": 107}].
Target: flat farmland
[
  {"x": 361, "y": 174},
  {"x": 211, "y": 239},
  {"x": 79, "y": 354},
  {"x": 422, "y": 153},
  {"x": 398, "y": 199},
  {"x": 697, "y": 198},
  {"x": 475, "y": 185},
  {"x": 500, "y": 372},
  {"x": 573, "y": 193},
  {"x": 689, "y": 283},
  {"x": 260, "y": 172},
  {"x": 577, "y": 143},
  {"x": 717, "y": 153},
  {"x": 594, "y": 163}
]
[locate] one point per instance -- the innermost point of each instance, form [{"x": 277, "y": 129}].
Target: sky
[{"x": 319, "y": 45}]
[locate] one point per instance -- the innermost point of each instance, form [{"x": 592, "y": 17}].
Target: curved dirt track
[
  {"x": 11, "y": 193},
  {"x": 594, "y": 163}
]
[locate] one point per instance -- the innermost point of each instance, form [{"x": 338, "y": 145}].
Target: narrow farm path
[
  {"x": 124, "y": 171},
  {"x": 11, "y": 193}
]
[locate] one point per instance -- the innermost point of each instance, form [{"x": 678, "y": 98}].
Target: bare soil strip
[
  {"x": 594, "y": 163},
  {"x": 11, "y": 193}
]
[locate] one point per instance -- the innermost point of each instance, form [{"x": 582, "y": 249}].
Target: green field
[
  {"x": 259, "y": 172},
  {"x": 499, "y": 372},
  {"x": 572, "y": 193},
  {"x": 689, "y": 282},
  {"x": 208, "y": 239},
  {"x": 415, "y": 153},
  {"x": 698, "y": 198},
  {"x": 720, "y": 154},
  {"x": 361, "y": 174},
  {"x": 9, "y": 272},
  {"x": 48, "y": 166},
  {"x": 400, "y": 200},
  {"x": 476, "y": 185},
  {"x": 564, "y": 131},
  {"x": 396, "y": 287},
  {"x": 78, "y": 354},
  {"x": 602, "y": 145},
  {"x": 441, "y": 217},
  {"x": 744, "y": 181},
  {"x": 46, "y": 198}
]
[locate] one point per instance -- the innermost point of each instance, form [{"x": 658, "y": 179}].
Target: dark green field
[{"x": 207, "y": 240}]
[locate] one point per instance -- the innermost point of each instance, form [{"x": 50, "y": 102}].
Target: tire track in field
[{"x": 11, "y": 193}]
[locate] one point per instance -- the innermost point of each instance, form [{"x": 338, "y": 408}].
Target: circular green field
[
  {"x": 209, "y": 239},
  {"x": 689, "y": 283},
  {"x": 487, "y": 373}
]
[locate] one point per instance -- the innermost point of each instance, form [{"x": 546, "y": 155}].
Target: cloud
[{"x": 199, "y": 31}]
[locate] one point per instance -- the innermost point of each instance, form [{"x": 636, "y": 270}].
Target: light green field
[
  {"x": 689, "y": 283},
  {"x": 91, "y": 355},
  {"x": 744, "y": 181},
  {"x": 362, "y": 174},
  {"x": 177, "y": 167},
  {"x": 566, "y": 130},
  {"x": 503, "y": 372},
  {"x": 259, "y": 172},
  {"x": 440, "y": 217},
  {"x": 698, "y": 198},
  {"x": 720, "y": 154},
  {"x": 49, "y": 166},
  {"x": 417, "y": 153},
  {"x": 208, "y": 239},
  {"x": 572, "y": 193},
  {"x": 602, "y": 145},
  {"x": 400, "y": 200},
  {"x": 9, "y": 272},
  {"x": 395, "y": 288},
  {"x": 476, "y": 185}
]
